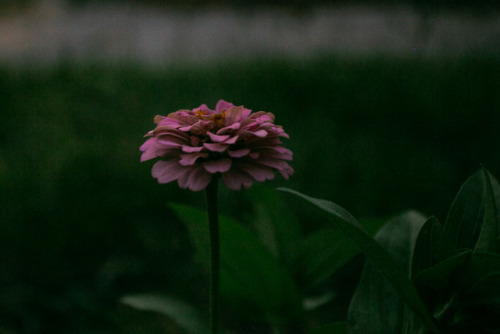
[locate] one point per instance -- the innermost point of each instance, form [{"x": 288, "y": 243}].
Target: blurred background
[{"x": 390, "y": 105}]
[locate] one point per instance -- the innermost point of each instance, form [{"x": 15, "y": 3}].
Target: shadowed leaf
[
  {"x": 274, "y": 223},
  {"x": 467, "y": 213},
  {"x": 184, "y": 315},
  {"x": 479, "y": 282},
  {"x": 377, "y": 255},
  {"x": 249, "y": 272},
  {"x": 432, "y": 246},
  {"x": 376, "y": 306},
  {"x": 438, "y": 276},
  {"x": 333, "y": 328},
  {"x": 322, "y": 253},
  {"x": 489, "y": 236}
]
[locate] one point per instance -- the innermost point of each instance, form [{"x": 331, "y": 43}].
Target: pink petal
[
  {"x": 250, "y": 126},
  {"x": 256, "y": 142},
  {"x": 148, "y": 155},
  {"x": 274, "y": 163},
  {"x": 163, "y": 128},
  {"x": 172, "y": 134},
  {"x": 191, "y": 149},
  {"x": 183, "y": 117},
  {"x": 217, "y": 166},
  {"x": 231, "y": 140},
  {"x": 239, "y": 153},
  {"x": 183, "y": 178},
  {"x": 167, "y": 171},
  {"x": 151, "y": 149},
  {"x": 258, "y": 172},
  {"x": 200, "y": 127},
  {"x": 203, "y": 107},
  {"x": 151, "y": 142},
  {"x": 190, "y": 159},
  {"x": 222, "y": 105},
  {"x": 156, "y": 153},
  {"x": 265, "y": 118},
  {"x": 236, "y": 114},
  {"x": 281, "y": 149},
  {"x": 217, "y": 138},
  {"x": 168, "y": 140},
  {"x": 232, "y": 127},
  {"x": 269, "y": 153},
  {"x": 215, "y": 147},
  {"x": 260, "y": 133},
  {"x": 288, "y": 171},
  {"x": 235, "y": 179},
  {"x": 198, "y": 179},
  {"x": 252, "y": 134}
]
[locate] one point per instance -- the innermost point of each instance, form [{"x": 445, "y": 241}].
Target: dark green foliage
[
  {"x": 376, "y": 306},
  {"x": 83, "y": 222},
  {"x": 379, "y": 257},
  {"x": 456, "y": 274},
  {"x": 249, "y": 272},
  {"x": 432, "y": 246}
]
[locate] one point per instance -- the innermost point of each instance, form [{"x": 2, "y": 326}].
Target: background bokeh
[{"x": 83, "y": 223}]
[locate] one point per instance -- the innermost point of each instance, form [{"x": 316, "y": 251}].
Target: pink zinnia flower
[{"x": 195, "y": 145}]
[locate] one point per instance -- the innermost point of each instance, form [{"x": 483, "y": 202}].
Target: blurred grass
[{"x": 83, "y": 221}]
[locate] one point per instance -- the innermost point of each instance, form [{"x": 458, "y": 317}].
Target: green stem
[{"x": 213, "y": 221}]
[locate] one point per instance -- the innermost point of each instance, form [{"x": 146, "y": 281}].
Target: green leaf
[
  {"x": 495, "y": 187},
  {"x": 489, "y": 236},
  {"x": 438, "y": 276},
  {"x": 377, "y": 255},
  {"x": 322, "y": 253},
  {"x": 249, "y": 272},
  {"x": 467, "y": 213},
  {"x": 487, "y": 290},
  {"x": 432, "y": 246},
  {"x": 274, "y": 223},
  {"x": 475, "y": 303},
  {"x": 376, "y": 306},
  {"x": 184, "y": 315},
  {"x": 478, "y": 280},
  {"x": 333, "y": 328}
]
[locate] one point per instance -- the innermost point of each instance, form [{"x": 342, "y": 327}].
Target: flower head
[{"x": 195, "y": 145}]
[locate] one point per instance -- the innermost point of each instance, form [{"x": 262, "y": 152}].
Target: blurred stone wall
[{"x": 51, "y": 30}]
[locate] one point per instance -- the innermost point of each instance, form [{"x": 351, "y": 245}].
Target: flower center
[
  {"x": 200, "y": 113},
  {"x": 218, "y": 118}
]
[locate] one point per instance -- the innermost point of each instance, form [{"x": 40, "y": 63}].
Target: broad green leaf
[
  {"x": 249, "y": 272},
  {"x": 438, "y": 276},
  {"x": 432, "y": 246},
  {"x": 487, "y": 290},
  {"x": 478, "y": 280},
  {"x": 274, "y": 223},
  {"x": 322, "y": 253},
  {"x": 467, "y": 213},
  {"x": 376, "y": 306},
  {"x": 333, "y": 328},
  {"x": 495, "y": 186},
  {"x": 184, "y": 315},
  {"x": 475, "y": 302},
  {"x": 376, "y": 254},
  {"x": 488, "y": 238}
]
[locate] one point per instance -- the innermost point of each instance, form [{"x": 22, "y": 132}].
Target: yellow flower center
[
  {"x": 218, "y": 119},
  {"x": 200, "y": 113}
]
